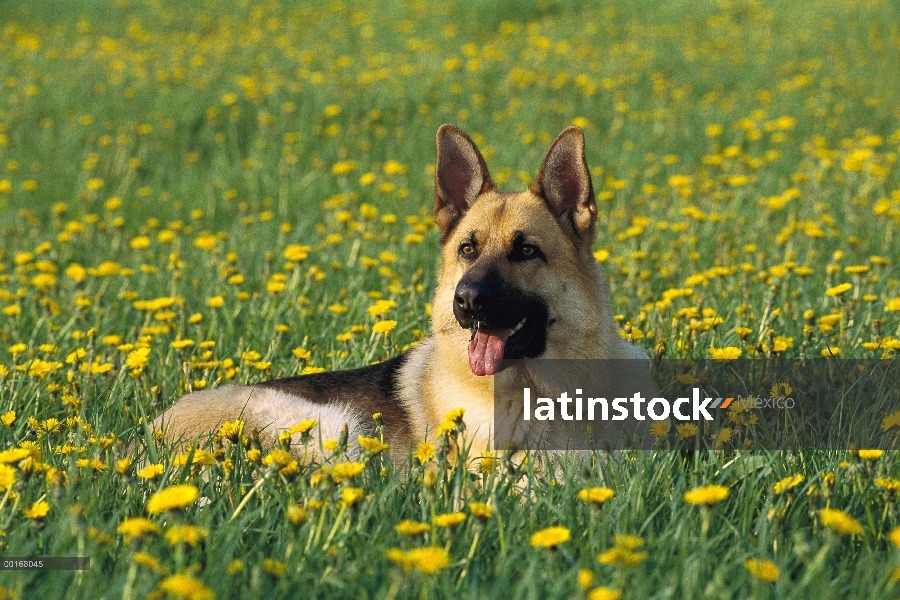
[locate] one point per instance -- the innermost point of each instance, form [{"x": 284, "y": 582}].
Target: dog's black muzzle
[{"x": 490, "y": 302}]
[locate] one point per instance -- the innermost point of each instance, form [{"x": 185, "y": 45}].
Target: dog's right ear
[{"x": 461, "y": 176}]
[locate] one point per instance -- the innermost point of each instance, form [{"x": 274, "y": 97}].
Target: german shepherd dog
[{"x": 518, "y": 280}]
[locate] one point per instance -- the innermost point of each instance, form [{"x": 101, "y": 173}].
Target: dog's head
[{"x": 518, "y": 279}]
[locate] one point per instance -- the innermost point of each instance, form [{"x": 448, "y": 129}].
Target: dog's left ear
[{"x": 565, "y": 183}]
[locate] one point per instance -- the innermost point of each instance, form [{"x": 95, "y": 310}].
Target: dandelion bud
[
  {"x": 296, "y": 514},
  {"x": 660, "y": 349},
  {"x": 343, "y": 440}
]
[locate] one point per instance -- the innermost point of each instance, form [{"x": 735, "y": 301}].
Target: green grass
[{"x": 745, "y": 152}]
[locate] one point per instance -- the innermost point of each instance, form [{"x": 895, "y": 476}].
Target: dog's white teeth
[{"x": 517, "y": 327}]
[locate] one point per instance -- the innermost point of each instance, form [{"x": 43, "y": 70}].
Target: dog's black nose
[{"x": 471, "y": 297}]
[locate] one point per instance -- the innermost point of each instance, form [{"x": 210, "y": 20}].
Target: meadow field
[{"x": 195, "y": 194}]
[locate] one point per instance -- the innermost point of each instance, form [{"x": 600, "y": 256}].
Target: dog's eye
[
  {"x": 467, "y": 249},
  {"x": 523, "y": 252}
]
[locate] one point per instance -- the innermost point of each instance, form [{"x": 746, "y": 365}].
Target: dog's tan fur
[{"x": 556, "y": 213}]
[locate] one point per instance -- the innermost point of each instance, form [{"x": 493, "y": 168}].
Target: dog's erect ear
[
  {"x": 460, "y": 176},
  {"x": 565, "y": 183}
]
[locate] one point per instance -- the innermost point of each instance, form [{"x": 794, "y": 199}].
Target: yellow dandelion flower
[
  {"x": 659, "y": 429},
  {"x": 628, "y": 541},
  {"x": 780, "y": 344},
  {"x": 393, "y": 167},
  {"x": 709, "y": 494},
  {"x": 411, "y": 528},
  {"x": 346, "y": 470},
  {"x": 234, "y": 567},
  {"x": 840, "y": 522},
  {"x": 37, "y": 511},
  {"x": 399, "y": 557},
  {"x": 481, "y": 510},
  {"x": 622, "y": 556},
  {"x": 206, "y": 241},
  {"x": 428, "y": 560},
  {"x": 722, "y": 437},
  {"x": 352, "y": 495},
  {"x": 151, "y": 471},
  {"x": 604, "y": 593},
  {"x": 449, "y": 520},
  {"x": 186, "y": 587},
  {"x": 278, "y": 457},
  {"x": 384, "y": 326},
  {"x": 425, "y": 451},
  {"x": 13, "y": 455},
  {"x": 686, "y": 430},
  {"x": 232, "y": 430},
  {"x": 894, "y": 536},
  {"x": 585, "y": 578},
  {"x": 870, "y": 455},
  {"x": 303, "y": 426},
  {"x": 381, "y": 307},
  {"x": 147, "y": 560},
  {"x": 788, "y": 483},
  {"x": 595, "y": 495},
  {"x": 892, "y": 420},
  {"x": 372, "y": 445},
  {"x": 343, "y": 167},
  {"x": 727, "y": 353},
  {"x": 838, "y": 289},
  {"x": 172, "y": 498},
  {"x": 550, "y": 537},
  {"x": 446, "y": 428},
  {"x": 41, "y": 368},
  {"x": 296, "y": 514},
  {"x": 137, "y": 359},
  {"x": 742, "y": 332},
  {"x": 890, "y": 485},
  {"x": 250, "y": 356},
  {"x": 199, "y": 457},
  {"x": 186, "y": 534},
  {"x": 762, "y": 569},
  {"x": 136, "y": 527},
  {"x": 455, "y": 415},
  {"x": 8, "y": 477}
]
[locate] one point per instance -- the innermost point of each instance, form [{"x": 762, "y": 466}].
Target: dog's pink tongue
[{"x": 486, "y": 350}]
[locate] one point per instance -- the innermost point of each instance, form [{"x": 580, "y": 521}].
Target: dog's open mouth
[{"x": 489, "y": 346}]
